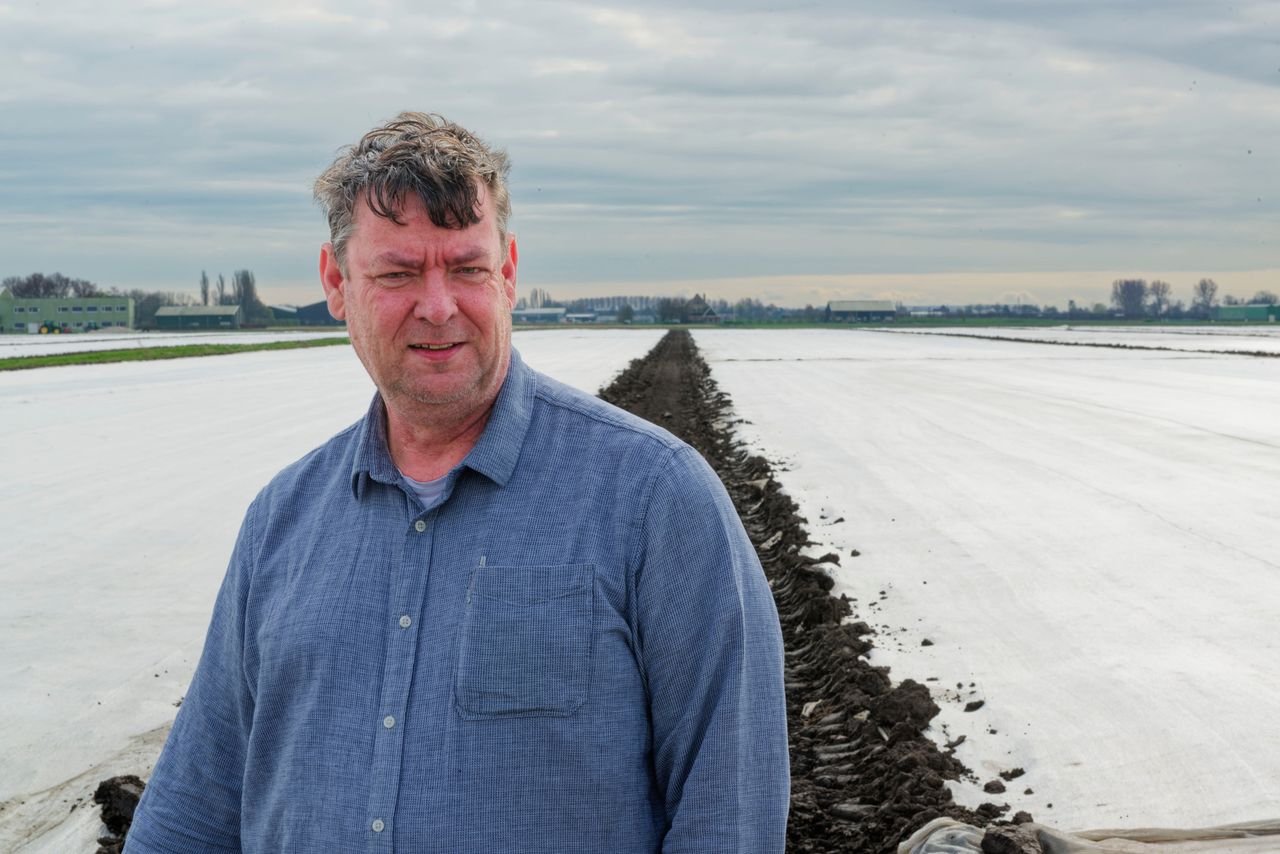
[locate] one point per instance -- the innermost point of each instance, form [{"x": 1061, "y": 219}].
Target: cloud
[{"x": 708, "y": 141}]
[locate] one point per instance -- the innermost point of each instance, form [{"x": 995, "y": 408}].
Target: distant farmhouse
[
  {"x": 199, "y": 317},
  {"x": 861, "y": 310},
  {"x": 699, "y": 312},
  {"x": 69, "y": 314}
]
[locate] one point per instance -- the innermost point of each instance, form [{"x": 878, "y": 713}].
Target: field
[
  {"x": 1085, "y": 535},
  {"x": 48, "y": 345},
  {"x": 1081, "y": 533}
]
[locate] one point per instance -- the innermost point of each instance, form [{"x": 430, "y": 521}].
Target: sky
[{"x": 928, "y": 152}]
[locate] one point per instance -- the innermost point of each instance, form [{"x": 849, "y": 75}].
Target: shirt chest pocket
[{"x": 524, "y": 649}]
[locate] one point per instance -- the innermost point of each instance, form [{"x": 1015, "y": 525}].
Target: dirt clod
[{"x": 118, "y": 797}]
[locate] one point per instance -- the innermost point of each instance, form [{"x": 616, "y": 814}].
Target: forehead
[{"x": 415, "y": 226}]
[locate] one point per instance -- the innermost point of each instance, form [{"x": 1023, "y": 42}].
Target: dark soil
[
  {"x": 863, "y": 775},
  {"x": 119, "y": 798}
]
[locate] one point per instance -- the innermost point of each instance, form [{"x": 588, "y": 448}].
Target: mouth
[{"x": 434, "y": 348}]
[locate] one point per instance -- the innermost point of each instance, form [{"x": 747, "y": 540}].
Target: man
[{"x": 496, "y": 614}]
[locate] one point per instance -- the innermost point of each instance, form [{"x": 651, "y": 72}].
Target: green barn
[
  {"x": 1252, "y": 313},
  {"x": 199, "y": 317}
]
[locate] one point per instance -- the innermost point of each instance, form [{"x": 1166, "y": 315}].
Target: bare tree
[
  {"x": 1158, "y": 292},
  {"x": 1129, "y": 295},
  {"x": 222, "y": 290},
  {"x": 55, "y": 285},
  {"x": 1266, "y": 298},
  {"x": 204, "y": 288},
  {"x": 245, "y": 285},
  {"x": 1204, "y": 296}
]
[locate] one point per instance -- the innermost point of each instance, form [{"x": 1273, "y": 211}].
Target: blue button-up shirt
[{"x": 573, "y": 650}]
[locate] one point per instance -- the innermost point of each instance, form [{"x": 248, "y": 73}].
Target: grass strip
[{"x": 147, "y": 354}]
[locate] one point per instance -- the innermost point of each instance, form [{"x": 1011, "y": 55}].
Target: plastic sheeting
[{"x": 947, "y": 836}]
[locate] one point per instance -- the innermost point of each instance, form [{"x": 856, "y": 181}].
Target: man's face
[{"x": 428, "y": 308}]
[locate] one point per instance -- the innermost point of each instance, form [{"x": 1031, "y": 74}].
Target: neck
[{"x": 425, "y": 449}]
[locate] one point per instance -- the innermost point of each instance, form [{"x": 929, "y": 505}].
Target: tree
[
  {"x": 1203, "y": 297},
  {"x": 1158, "y": 291},
  {"x": 204, "y": 288},
  {"x": 1230, "y": 299},
  {"x": 222, "y": 290},
  {"x": 245, "y": 287},
  {"x": 671, "y": 310},
  {"x": 1265, "y": 297},
  {"x": 1129, "y": 295},
  {"x": 55, "y": 285},
  {"x": 626, "y": 314}
]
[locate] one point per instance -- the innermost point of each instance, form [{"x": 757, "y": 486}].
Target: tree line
[{"x": 1135, "y": 298}]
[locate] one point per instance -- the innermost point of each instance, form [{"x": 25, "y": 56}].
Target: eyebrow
[
  {"x": 467, "y": 255},
  {"x": 463, "y": 256},
  {"x": 396, "y": 260}
]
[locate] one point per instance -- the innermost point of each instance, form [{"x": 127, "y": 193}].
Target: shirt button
[
  {"x": 419, "y": 526},
  {"x": 406, "y": 621},
  {"x": 388, "y": 722},
  {"x": 378, "y": 826}
]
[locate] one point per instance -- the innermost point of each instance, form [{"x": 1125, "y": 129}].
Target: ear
[
  {"x": 509, "y": 271},
  {"x": 334, "y": 282}
]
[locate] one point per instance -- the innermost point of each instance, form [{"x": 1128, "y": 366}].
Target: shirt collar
[{"x": 494, "y": 455}]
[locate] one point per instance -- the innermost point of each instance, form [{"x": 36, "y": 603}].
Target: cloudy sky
[{"x": 926, "y": 151}]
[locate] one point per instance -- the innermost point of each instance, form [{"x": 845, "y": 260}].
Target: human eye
[{"x": 392, "y": 278}]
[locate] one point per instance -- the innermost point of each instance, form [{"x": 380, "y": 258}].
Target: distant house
[
  {"x": 73, "y": 314},
  {"x": 538, "y": 315},
  {"x": 861, "y": 310},
  {"x": 580, "y": 317},
  {"x": 698, "y": 311},
  {"x": 199, "y": 317}
]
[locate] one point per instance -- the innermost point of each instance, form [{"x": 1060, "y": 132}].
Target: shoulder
[
  {"x": 322, "y": 470},
  {"x": 562, "y": 403}
]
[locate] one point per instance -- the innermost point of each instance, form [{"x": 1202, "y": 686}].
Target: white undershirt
[{"x": 428, "y": 491}]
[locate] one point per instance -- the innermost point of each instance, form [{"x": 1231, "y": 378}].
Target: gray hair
[{"x": 422, "y": 154}]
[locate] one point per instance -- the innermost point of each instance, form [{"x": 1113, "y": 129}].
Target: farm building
[
  {"x": 1256, "y": 312},
  {"x": 75, "y": 314},
  {"x": 698, "y": 311},
  {"x": 199, "y": 317},
  {"x": 861, "y": 309},
  {"x": 315, "y": 314},
  {"x": 538, "y": 315}
]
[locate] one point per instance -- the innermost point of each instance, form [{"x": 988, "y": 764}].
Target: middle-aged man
[{"x": 494, "y": 615}]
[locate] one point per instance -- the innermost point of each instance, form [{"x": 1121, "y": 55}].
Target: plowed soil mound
[{"x": 863, "y": 774}]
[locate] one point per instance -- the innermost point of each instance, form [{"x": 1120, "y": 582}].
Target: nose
[{"x": 434, "y": 301}]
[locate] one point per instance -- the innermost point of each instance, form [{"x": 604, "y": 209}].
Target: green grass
[{"x": 146, "y": 354}]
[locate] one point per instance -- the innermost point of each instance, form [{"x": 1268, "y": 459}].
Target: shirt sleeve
[
  {"x": 711, "y": 650},
  {"x": 191, "y": 804}
]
